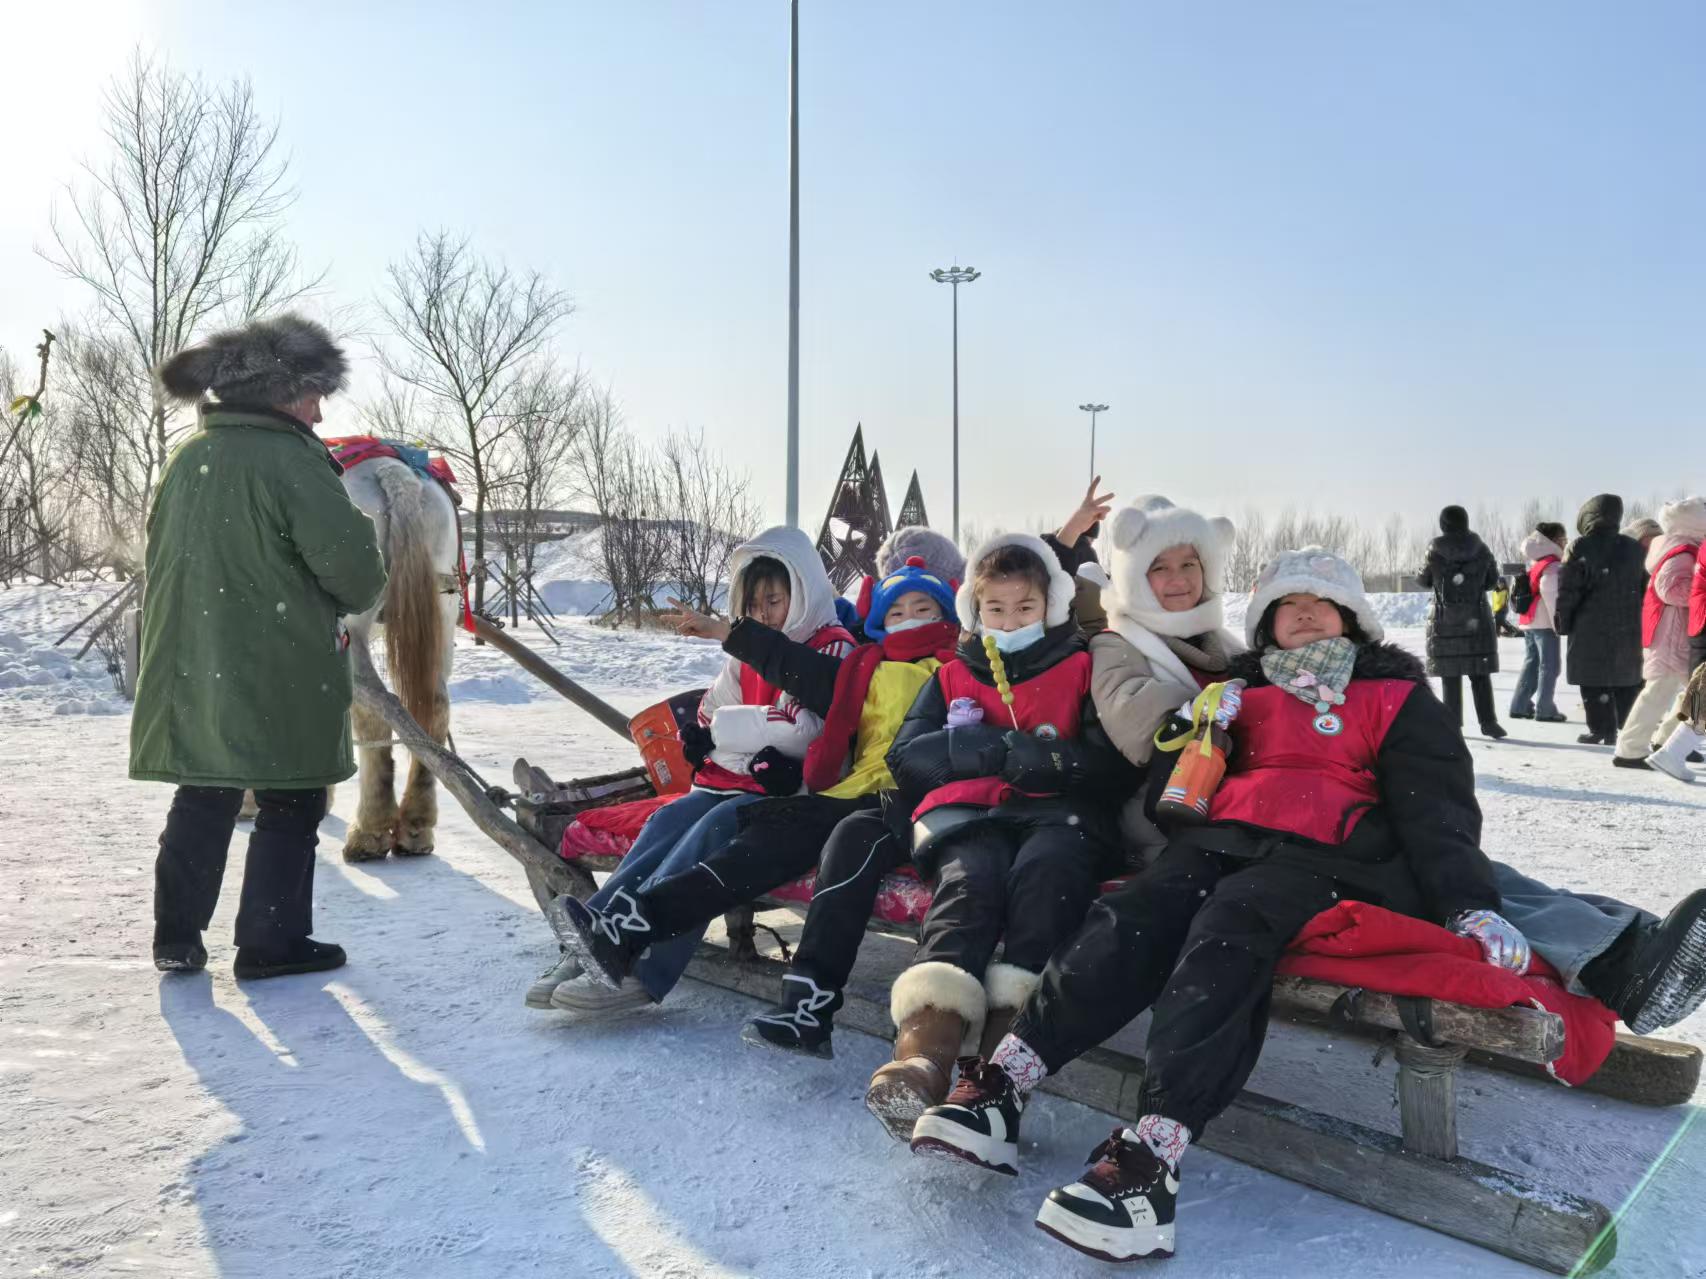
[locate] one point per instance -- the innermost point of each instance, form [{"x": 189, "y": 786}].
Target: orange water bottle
[{"x": 1202, "y": 764}]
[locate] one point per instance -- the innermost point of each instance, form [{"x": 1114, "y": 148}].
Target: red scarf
[
  {"x": 1536, "y": 571},
  {"x": 826, "y": 755}
]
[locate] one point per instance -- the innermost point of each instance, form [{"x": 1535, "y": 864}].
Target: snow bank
[
  {"x": 1395, "y": 609},
  {"x": 36, "y": 677}
]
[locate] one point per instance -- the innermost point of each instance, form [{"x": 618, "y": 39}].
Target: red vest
[
  {"x": 1536, "y": 571},
  {"x": 1049, "y": 704},
  {"x": 1291, "y": 771},
  {"x": 1653, "y": 608},
  {"x": 1697, "y": 599}
]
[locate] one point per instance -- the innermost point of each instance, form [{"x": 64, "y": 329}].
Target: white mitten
[{"x": 1501, "y": 942}]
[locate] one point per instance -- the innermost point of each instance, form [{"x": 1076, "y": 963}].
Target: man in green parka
[{"x": 255, "y": 552}]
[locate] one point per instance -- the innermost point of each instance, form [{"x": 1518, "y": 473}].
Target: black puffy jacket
[
  {"x": 1461, "y": 637},
  {"x": 1599, "y": 599}
]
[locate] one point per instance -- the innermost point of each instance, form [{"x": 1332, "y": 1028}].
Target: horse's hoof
[
  {"x": 406, "y": 850},
  {"x": 362, "y": 847}
]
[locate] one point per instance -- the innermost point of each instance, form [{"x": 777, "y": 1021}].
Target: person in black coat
[
  {"x": 1462, "y": 639},
  {"x": 1599, "y": 609}
]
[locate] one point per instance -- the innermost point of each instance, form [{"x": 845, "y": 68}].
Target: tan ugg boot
[
  {"x": 1007, "y": 987},
  {"x": 932, "y": 1003}
]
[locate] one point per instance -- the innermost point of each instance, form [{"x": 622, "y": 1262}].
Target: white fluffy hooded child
[
  {"x": 1158, "y": 650},
  {"x": 743, "y": 712}
]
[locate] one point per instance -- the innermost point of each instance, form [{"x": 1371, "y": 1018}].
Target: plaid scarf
[{"x": 1315, "y": 674}]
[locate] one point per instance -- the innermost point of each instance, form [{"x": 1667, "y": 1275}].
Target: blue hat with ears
[{"x": 910, "y": 576}]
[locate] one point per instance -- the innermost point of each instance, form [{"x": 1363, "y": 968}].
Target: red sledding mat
[
  {"x": 608, "y": 831},
  {"x": 1355, "y": 944}
]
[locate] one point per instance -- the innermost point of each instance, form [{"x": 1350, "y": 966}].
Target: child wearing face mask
[
  {"x": 1348, "y": 780},
  {"x": 1008, "y": 775},
  {"x": 863, "y": 698},
  {"x": 750, "y": 741}
]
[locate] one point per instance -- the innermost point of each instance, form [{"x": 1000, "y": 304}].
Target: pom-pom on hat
[
  {"x": 1313, "y": 570},
  {"x": 909, "y": 577}
]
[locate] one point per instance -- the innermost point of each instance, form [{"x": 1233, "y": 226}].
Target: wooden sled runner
[{"x": 1417, "y": 1175}]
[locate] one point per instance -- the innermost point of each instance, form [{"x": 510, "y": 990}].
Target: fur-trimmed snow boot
[
  {"x": 933, "y": 1004},
  {"x": 1007, "y": 987}
]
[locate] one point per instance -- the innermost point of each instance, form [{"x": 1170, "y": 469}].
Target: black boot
[
  {"x": 801, "y": 1022},
  {"x": 607, "y": 942},
  {"x": 176, "y": 951},
  {"x": 1656, "y": 976},
  {"x": 304, "y": 955}
]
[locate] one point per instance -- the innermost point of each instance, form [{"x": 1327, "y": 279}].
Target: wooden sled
[{"x": 1417, "y": 1175}]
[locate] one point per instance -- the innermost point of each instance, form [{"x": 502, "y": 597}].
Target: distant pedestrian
[
  {"x": 1460, "y": 570},
  {"x": 1502, "y": 625},
  {"x": 1670, "y": 567},
  {"x": 1643, "y": 529},
  {"x": 1599, "y": 610},
  {"x": 1535, "y": 597}
]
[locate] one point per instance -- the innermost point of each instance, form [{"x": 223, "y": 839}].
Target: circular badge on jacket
[
  {"x": 1329, "y": 725},
  {"x": 1048, "y": 732}
]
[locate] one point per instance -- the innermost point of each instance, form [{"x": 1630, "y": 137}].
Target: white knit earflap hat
[
  {"x": 1313, "y": 570},
  {"x": 1060, "y": 585}
]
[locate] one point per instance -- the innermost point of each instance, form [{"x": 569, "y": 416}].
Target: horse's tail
[{"x": 414, "y": 622}]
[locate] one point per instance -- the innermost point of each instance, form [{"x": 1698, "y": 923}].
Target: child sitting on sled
[
  {"x": 863, "y": 698},
  {"x": 1014, "y": 823},
  {"x": 1348, "y": 780},
  {"x": 750, "y": 741}
]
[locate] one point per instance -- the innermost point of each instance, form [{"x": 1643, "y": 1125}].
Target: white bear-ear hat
[
  {"x": 1060, "y": 587},
  {"x": 1134, "y": 535}
]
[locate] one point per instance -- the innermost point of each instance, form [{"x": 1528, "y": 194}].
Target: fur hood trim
[
  {"x": 1685, "y": 517},
  {"x": 1060, "y": 588},
  {"x": 1537, "y": 546},
  {"x": 270, "y": 362},
  {"x": 1374, "y": 661},
  {"x": 934, "y": 984}
]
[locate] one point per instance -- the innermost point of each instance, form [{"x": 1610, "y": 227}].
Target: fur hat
[
  {"x": 1060, "y": 587},
  {"x": 1134, "y": 535},
  {"x": 1685, "y": 517},
  {"x": 937, "y": 550},
  {"x": 268, "y": 362},
  {"x": 1454, "y": 519},
  {"x": 1641, "y": 526},
  {"x": 1313, "y": 570},
  {"x": 910, "y": 577}
]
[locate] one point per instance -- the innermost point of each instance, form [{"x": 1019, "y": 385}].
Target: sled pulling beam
[{"x": 551, "y": 677}]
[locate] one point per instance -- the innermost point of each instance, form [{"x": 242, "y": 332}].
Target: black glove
[
  {"x": 697, "y": 744},
  {"x": 777, "y": 773},
  {"x": 1036, "y": 764}
]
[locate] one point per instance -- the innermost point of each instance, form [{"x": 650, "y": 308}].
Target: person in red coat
[{"x": 1348, "y": 779}]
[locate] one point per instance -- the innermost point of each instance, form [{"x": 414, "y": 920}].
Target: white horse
[{"x": 417, "y": 528}]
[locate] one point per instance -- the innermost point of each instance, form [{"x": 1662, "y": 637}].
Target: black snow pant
[
  {"x": 1480, "y": 688},
  {"x": 1608, "y": 706},
  {"x": 1197, "y": 936},
  {"x": 859, "y": 853},
  {"x": 781, "y": 841},
  {"x": 278, "y": 880},
  {"x": 1026, "y": 886}
]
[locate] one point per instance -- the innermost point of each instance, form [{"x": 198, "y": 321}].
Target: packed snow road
[{"x": 407, "y": 1116}]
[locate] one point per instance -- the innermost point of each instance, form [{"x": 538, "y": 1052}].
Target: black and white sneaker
[
  {"x": 607, "y": 942},
  {"x": 979, "y": 1122},
  {"x": 1122, "y": 1208},
  {"x": 1667, "y": 980},
  {"x": 801, "y": 1023}
]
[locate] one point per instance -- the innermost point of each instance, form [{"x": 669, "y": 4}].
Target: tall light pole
[
  {"x": 956, "y": 276},
  {"x": 794, "y": 269},
  {"x": 1092, "y": 410}
]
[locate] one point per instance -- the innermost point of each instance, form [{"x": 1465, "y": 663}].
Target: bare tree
[
  {"x": 180, "y": 227},
  {"x": 713, "y": 512},
  {"x": 469, "y": 333},
  {"x": 622, "y": 480},
  {"x": 107, "y": 411}
]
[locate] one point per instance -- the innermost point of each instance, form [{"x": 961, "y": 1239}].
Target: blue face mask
[{"x": 1014, "y": 641}]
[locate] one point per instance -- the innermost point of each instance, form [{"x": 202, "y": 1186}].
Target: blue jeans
[
  {"x": 1568, "y": 930},
  {"x": 1539, "y": 672},
  {"x": 672, "y": 841}
]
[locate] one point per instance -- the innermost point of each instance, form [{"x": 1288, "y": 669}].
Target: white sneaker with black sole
[
  {"x": 539, "y": 993},
  {"x": 979, "y": 1123},
  {"x": 1122, "y": 1208}
]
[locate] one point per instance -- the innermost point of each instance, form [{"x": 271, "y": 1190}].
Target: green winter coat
[{"x": 254, "y": 551}]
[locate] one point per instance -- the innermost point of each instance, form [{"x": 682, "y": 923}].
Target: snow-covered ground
[{"x": 407, "y": 1116}]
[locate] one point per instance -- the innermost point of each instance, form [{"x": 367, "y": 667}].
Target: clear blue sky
[{"x": 1363, "y": 257}]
